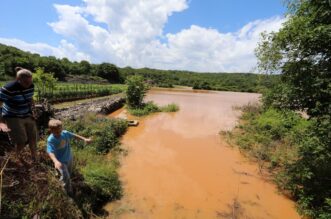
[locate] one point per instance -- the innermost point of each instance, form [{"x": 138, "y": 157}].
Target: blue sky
[{"x": 197, "y": 35}]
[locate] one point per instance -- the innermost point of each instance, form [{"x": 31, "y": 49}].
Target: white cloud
[
  {"x": 127, "y": 33},
  {"x": 65, "y": 49}
]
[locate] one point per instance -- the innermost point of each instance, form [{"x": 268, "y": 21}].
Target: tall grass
[
  {"x": 98, "y": 171},
  {"x": 151, "y": 107}
]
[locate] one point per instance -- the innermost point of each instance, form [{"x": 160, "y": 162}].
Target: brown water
[{"x": 178, "y": 166}]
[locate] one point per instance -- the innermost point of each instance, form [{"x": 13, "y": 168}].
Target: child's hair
[{"x": 54, "y": 123}]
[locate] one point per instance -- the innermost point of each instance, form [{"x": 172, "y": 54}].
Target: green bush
[
  {"x": 104, "y": 131},
  {"x": 309, "y": 176},
  {"x": 136, "y": 91},
  {"x": 100, "y": 180},
  {"x": 299, "y": 148},
  {"x": 277, "y": 123},
  {"x": 102, "y": 177},
  {"x": 144, "y": 109},
  {"x": 106, "y": 140}
]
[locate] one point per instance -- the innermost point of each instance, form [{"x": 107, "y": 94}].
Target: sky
[{"x": 193, "y": 35}]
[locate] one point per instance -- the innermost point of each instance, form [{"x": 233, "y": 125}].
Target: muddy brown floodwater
[{"x": 179, "y": 167}]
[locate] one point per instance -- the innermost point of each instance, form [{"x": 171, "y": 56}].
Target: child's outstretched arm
[
  {"x": 57, "y": 164},
  {"x": 86, "y": 140}
]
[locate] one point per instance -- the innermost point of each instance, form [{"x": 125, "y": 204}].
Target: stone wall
[{"x": 101, "y": 106}]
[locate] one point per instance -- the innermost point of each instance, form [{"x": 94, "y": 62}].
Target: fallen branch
[{"x": 3, "y": 168}]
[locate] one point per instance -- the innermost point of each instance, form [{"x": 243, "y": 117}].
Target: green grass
[
  {"x": 170, "y": 108},
  {"x": 151, "y": 107}
]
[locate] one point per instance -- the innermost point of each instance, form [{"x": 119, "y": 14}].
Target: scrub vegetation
[
  {"x": 298, "y": 149},
  {"x": 95, "y": 180},
  {"x": 295, "y": 149}
]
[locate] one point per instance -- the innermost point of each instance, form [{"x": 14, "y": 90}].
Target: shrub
[
  {"x": 144, "y": 109},
  {"x": 299, "y": 148},
  {"x": 170, "y": 108},
  {"x": 104, "y": 131},
  {"x": 100, "y": 181},
  {"x": 136, "y": 91},
  {"x": 102, "y": 177}
]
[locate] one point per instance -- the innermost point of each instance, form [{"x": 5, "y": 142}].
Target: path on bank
[
  {"x": 178, "y": 166},
  {"x": 101, "y": 105}
]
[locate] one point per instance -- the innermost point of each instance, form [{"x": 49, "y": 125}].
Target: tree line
[{"x": 10, "y": 57}]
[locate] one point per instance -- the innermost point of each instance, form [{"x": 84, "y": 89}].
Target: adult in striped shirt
[{"x": 17, "y": 101}]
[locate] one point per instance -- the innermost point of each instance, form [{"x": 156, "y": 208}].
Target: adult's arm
[{"x": 3, "y": 125}]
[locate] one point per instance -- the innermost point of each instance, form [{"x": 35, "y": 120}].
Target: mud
[{"x": 178, "y": 166}]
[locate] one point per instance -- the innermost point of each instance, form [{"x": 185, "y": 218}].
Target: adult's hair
[
  {"x": 22, "y": 72},
  {"x": 18, "y": 68}
]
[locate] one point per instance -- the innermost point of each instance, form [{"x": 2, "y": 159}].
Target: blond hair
[{"x": 54, "y": 123}]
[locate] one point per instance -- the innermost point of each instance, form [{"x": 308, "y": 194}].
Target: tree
[
  {"x": 44, "y": 82},
  {"x": 136, "y": 91},
  {"x": 108, "y": 71},
  {"x": 51, "y": 64},
  {"x": 85, "y": 68},
  {"x": 301, "y": 51}
]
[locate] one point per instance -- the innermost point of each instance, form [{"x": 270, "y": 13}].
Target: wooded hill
[{"x": 10, "y": 57}]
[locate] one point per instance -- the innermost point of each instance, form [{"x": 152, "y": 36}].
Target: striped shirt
[{"x": 16, "y": 100}]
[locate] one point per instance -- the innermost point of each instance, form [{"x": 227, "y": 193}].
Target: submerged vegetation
[
  {"x": 150, "y": 107},
  {"x": 135, "y": 94}
]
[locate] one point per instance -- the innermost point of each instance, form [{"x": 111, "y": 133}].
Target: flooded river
[{"x": 178, "y": 166}]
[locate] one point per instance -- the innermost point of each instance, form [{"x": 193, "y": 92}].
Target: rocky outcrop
[{"x": 101, "y": 106}]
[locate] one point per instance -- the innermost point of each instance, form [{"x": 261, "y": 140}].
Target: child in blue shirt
[{"x": 58, "y": 149}]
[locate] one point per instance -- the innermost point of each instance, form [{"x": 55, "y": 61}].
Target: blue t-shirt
[{"x": 60, "y": 146}]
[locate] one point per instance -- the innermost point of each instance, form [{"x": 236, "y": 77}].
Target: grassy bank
[
  {"x": 295, "y": 150},
  {"x": 95, "y": 180}
]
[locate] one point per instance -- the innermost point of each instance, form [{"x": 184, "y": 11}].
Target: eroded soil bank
[{"x": 179, "y": 167}]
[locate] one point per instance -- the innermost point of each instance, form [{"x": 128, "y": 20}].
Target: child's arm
[
  {"x": 57, "y": 164},
  {"x": 86, "y": 140}
]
